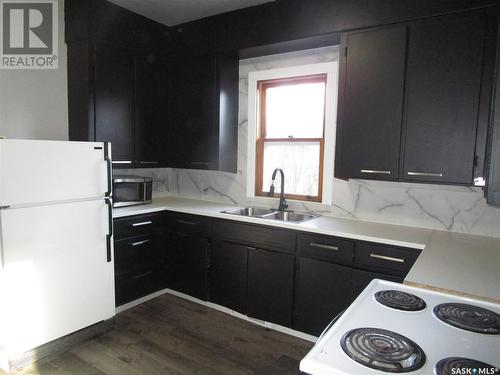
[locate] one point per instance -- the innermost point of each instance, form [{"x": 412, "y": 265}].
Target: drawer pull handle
[
  {"x": 139, "y": 243},
  {"x": 187, "y": 222},
  {"x": 140, "y": 276},
  {"x": 373, "y": 171},
  {"x": 390, "y": 259},
  {"x": 322, "y": 246},
  {"x": 142, "y": 223},
  {"x": 425, "y": 174}
]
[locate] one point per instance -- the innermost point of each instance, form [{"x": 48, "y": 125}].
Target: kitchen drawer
[
  {"x": 134, "y": 255},
  {"x": 387, "y": 259},
  {"x": 133, "y": 286},
  {"x": 326, "y": 248},
  {"x": 132, "y": 226},
  {"x": 256, "y": 236},
  {"x": 189, "y": 224}
]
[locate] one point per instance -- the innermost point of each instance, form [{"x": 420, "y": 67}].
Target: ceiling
[{"x": 174, "y": 12}]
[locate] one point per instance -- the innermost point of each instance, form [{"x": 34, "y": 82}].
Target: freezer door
[
  {"x": 55, "y": 277},
  {"x": 33, "y": 172}
]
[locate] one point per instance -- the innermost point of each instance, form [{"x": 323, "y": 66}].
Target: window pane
[
  {"x": 295, "y": 110},
  {"x": 300, "y": 163}
]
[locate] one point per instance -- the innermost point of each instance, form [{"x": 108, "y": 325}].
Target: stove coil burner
[
  {"x": 458, "y": 365},
  {"x": 400, "y": 300},
  {"x": 383, "y": 350},
  {"x": 469, "y": 317}
]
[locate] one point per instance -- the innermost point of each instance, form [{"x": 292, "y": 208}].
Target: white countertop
[
  {"x": 452, "y": 262},
  {"x": 459, "y": 263}
]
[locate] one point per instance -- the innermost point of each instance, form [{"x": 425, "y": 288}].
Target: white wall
[{"x": 34, "y": 103}]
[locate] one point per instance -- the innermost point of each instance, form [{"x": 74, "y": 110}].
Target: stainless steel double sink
[{"x": 271, "y": 214}]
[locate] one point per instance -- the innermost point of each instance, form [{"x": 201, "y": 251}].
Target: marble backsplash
[{"x": 452, "y": 208}]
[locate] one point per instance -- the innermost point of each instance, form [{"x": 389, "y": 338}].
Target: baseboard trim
[
  {"x": 268, "y": 325},
  {"x": 139, "y": 301}
]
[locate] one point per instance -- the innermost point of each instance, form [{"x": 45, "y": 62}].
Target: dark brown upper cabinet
[
  {"x": 414, "y": 100},
  {"x": 443, "y": 87},
  {"x": 154, "y": 111},
  {"x": 371, "y": 103},
  {"x": 157, "y": 109},
  {"x": 101, "y": 96},
  {"x": 115, "y": 79},
  {"x": 114, "y": 99},
  {"x": 151, "y": 110},
  {"x": 119, "y": 95},
  {"x": 193, "y": 101},
  {"x": 204, "y": 112}
]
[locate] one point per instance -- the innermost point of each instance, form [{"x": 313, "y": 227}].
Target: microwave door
[{"x": 129, "y": 192}]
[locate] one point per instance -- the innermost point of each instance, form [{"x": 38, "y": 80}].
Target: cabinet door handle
[
  {"x": 424, "y": 174},
  {"x": 140, "y": 276},
  {"x": 373, "y": 171},
  {"x": 139, "y": 243},
  {"x": 322, "y": 246},
  {"x": 390, "y": 259},
  {"x": 142, "y": 223},
  {"x": 187, "y": 222}
]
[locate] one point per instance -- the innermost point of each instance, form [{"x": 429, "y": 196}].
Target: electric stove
[{"x": 393, "y": 328}]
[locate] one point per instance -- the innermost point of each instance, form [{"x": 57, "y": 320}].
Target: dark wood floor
[{"x": 169, "y": 335}]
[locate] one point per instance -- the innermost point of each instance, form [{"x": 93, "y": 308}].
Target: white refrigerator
[{"x": 56, "y": 265}]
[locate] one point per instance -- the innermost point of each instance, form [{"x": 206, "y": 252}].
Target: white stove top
[{"x": 437, "y": 339}]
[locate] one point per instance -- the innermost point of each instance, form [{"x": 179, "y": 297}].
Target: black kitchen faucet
[{"x": 282, "y": 206}]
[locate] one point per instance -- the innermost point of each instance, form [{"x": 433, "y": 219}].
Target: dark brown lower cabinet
[
  {"x": 296, "y": 280},
  {"x": 228, "y": 275},
  {"x": 137, "y": 272},
  {"x": 322, "y": 290},
  {"x": 131, "y": 287},
  {"x": 138, "y": 248},
  {"x": 360, "y": 279},
  {"x": 189, "y": 264},
  {"x": 270, "y": 286}
]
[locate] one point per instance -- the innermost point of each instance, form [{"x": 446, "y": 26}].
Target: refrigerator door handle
[
  {"x": 109, "y": 167},
  {"x": 109, "y": 236}
]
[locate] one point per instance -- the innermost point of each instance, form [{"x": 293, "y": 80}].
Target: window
[{"x": 291, "y": 135}]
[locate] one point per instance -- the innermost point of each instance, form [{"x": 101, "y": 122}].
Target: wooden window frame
[{"x": 262, "y": 87}]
